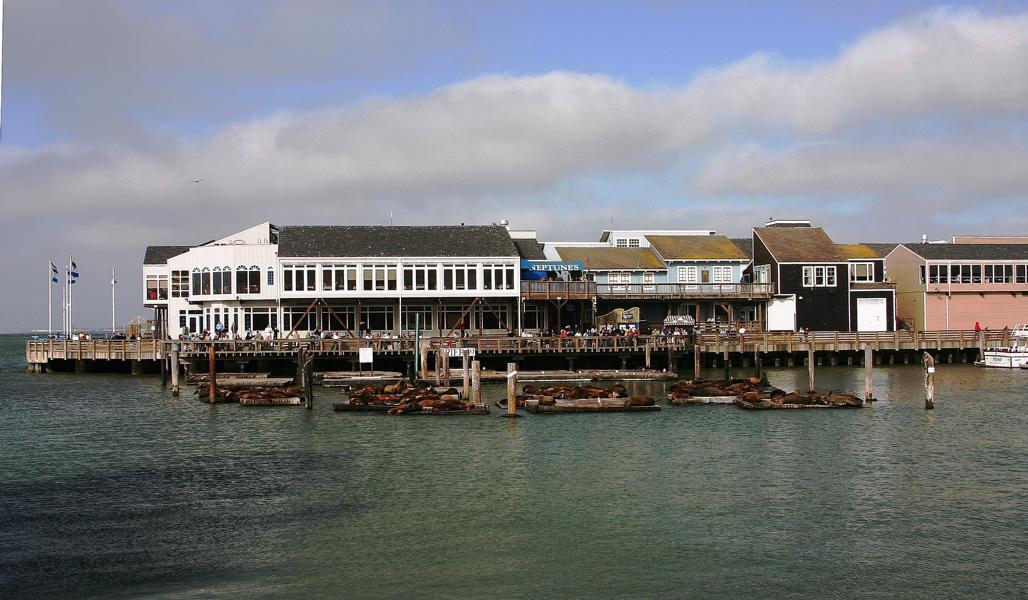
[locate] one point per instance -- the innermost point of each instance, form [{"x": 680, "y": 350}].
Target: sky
[{"x": 878, "y": 120}]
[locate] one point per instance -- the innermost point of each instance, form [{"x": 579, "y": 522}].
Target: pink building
[{"x": 955, "y": 285}]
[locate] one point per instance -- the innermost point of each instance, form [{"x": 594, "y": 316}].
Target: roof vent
[{"x": 924, "y": 238}]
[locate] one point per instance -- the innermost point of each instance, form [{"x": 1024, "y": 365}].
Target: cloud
[{"x": 931, "y": 109}]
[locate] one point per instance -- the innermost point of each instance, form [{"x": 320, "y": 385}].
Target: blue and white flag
[
  {"x": 74, "y": 271},
  {"x": 53, "y": 272}
]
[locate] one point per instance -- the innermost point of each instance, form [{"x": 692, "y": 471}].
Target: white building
[{"x": 378, "y": 279}]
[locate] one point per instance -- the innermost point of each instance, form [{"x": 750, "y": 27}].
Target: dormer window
[{"x": 631, "y": 242}]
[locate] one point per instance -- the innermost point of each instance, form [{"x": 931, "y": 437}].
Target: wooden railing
[
  {"x": 684, "y": 290},
  {"x": 41, "y": 351},
  {"x": 558, "y": 290}
]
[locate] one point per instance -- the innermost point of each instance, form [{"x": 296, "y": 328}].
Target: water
[{"x": 109, "y": 487}]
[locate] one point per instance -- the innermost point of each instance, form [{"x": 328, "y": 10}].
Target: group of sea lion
[
  {"x": 709, "y": 388},
  {"x": 228, "y": 394},
  {"x": 550, "y": 395},
  {"x": 749, "y": 391},
  {"x": 404, "y": 397}
]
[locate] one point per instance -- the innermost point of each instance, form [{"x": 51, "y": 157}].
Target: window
[
  {"x": 619, "y": 281},
  {"x": 862, "y": 272},
  {"x": 762, "y": 274},
  {"x": 819, "y": 277},
  {"x": 419, "y": 277},
  {"x": 248, "y": 279},
  {"x": 330, "y": 319},
  {"x": 494, "y": 317},
  {"x": 222, "y": 280},
  {"x": 999, "y": 273},
  {"x": 649, "y": 282},
  {"x": 460, "y": 277},
  {"x": 293, "y": 318},
  {"x": 412, "y": 314},
  {"x": 627, "y": 242},
  {"x": 378, "y": 318},
  {"x": 532, "y": 318},
  {"x": 922, "y": 269},
  {"x": 205, "y": 281},
  {"x": 379, "y": 278},
  {"x": 179, "y": 284},
  {"x": 156, "y": 287},
  {"x": 271, "y": 277},
  {"x": 938, "y": 274},
  {"x": 258, "y": 318},
  {"x": 687, "y": 274},
  {"x": 1022, "y": 272},
  {"x": 723, "y": 274}
]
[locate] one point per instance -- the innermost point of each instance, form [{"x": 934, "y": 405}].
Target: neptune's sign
[{"x": 558, "y": 266}]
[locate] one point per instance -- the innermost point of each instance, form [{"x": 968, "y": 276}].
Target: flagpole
[
  {"x": 64, "y": 301},
  {"x": 50, "y": 297},
  {"x": 71, "y": 303},
  {"x": 114, "y": 282}
]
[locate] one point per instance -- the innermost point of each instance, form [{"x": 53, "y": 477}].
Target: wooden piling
[
  {"x": 981, "y": 345},
  {"x": 696, "y": 360},
  {"x": 446, "y": 369},
  {"x": 164, "y": 371},
  {"x": 423, "y": 359},
  {"x": 174, "y": 370},
  {"x": 512, "y": 389},
  {"x": 439, "y": 366},
  {"x": 868, "y": 366},
  {"x": 476, "y": 382},
  {"x": 728, "y": 363},
  {"x": 810, "y": 364},
  {"x": 647, "y": 351},
  {"x": 308, "y": 380},
  {"x": 212, "y": 375},
  {"x": 467, "y": 374},
  {"x": 929, "y": 381}
]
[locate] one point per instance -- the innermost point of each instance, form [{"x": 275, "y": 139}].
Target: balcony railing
[
  {"x": 584, "y": 290},
  {"x": 685, "y": 290}
]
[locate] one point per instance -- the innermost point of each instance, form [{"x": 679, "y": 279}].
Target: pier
[{"x": 658, "y": 352}]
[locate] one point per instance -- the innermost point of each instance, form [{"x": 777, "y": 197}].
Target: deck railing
[
  {"x": 41, "y": 351},
  {"x": 583, "y": 290}
]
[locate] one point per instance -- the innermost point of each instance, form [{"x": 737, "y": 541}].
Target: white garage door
[
  {"x": 781, "y": 314},
  {"x": 871, "y": 314}
]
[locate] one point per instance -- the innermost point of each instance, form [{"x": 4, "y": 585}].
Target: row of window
[
  {"x": 387, "y": 278},
  {"x": 975, "y": 273},
  {"x": 819, "y": 276}
]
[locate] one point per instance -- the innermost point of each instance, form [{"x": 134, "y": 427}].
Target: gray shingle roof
[
  {"x": 799, "y": 244},
  {"x": 158, "y": 255},
  {"x": 882, "y": 248},
  {"x": 395, "y": 241},
  {"x": 970, "y": 251},
  {"x": 530, "y": 249},
  {"x": 746, "y": 245}
]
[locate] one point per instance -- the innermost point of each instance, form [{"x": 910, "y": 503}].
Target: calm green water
[{"x": 109, "y": 487}]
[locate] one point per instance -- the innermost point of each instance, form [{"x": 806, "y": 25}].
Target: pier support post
[
  {"x": 135, "y": 365},
  {"x": 571, "y": 364},
  {"x": 758, "y": 366},
  {"x": 439, "y": 366},
  {"x": 467, "y": 374},
  {"x": 212, "y": 375},
  {"x": 476, "y": 382},
  {"x": 423, "y": 356},
  {"x": 981, "y": 345},
  {"x": 512, "y": 389},
  {"x": 696, "y": 367},
  {"x": 82, "y": 367},
  {"x": 810, "y": 365},
  {"x": 164, "y": 371},
  {"x": 624, "y": 362},
  {"x": 174, "y": 371},
  {"x": 647, "y": 351},
  {"x": 728, "y": 364},
  {"x": 929, "y": 381},
  {"x": 868, "y": 366},
  {"x": 308, "y": 379},
  {"x": 833, "y": 359}
]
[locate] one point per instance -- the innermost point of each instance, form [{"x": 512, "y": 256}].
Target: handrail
[{"x": 756, "y": 340}]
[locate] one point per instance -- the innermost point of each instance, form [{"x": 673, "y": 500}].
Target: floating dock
[
  {"x": 725, "y": 400},
  {"x": 195, "y": 378},
  {"x": 587, "y": 406},
  {"x": 345, "y": 378},
  {"x": 287, "y": 401},
  {"x": 766, "y": 405},
  {"x": 480, "y": 409}
]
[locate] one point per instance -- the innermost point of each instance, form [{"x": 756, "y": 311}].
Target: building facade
[
  {"x": 353, "y": 279},
  {"x": 955, "y": 285}
]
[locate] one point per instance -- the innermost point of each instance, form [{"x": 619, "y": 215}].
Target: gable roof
[
  {"x": 605, "y": 258},
  {"x": 799, "y": 244},
  {"x": 395, "y": 241},
  {"x": 158, "y": 255},
  {"x": 695, "y": 247},
  {"x": 745, "y": 245},
  {"x": 970, "y": 251},
  {"x": 530, "y": 249},
  {"x": 852, "y": 251}
]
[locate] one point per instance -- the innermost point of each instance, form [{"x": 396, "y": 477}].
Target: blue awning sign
[{"x": 552, "y": 265}]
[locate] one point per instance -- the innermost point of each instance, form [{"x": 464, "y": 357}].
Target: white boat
[{"x": 1013, "y": 356}]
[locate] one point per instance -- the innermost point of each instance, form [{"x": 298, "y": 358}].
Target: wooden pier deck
[{"x": 41, "y": 352}]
